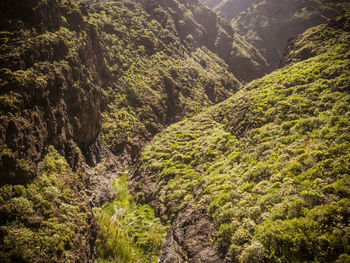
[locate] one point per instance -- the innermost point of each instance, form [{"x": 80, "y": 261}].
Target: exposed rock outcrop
[{"x": 188, "y": 241}]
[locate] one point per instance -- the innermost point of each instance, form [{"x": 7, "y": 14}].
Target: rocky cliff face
[
  {"x": 270, "y": 24},
  {"x": 52, "y": 79},
  {"x": 229, "y": 9}
]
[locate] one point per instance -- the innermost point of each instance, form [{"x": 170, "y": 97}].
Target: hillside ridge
[{"x": 262, "y": 173}]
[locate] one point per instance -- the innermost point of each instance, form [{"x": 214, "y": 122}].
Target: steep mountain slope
[
  {"x": 86, "y": 84},
  {"x": 268, "y": 24},
  {"x": 81, "y": 84},
  {"x": 244, "y": 61},
  {"x": 45, "y": 56},
  {"x": 263, "y": 176},
  {"x": 52, "y": 80},
  {"x": 160, "y": 56},
  {"x": 157, "y": 79}
]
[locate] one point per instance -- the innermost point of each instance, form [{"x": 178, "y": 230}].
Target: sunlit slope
[{"x": 267, "y": 171}]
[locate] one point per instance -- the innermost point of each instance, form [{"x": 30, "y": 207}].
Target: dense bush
[{"x": 46, "y": 220}]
